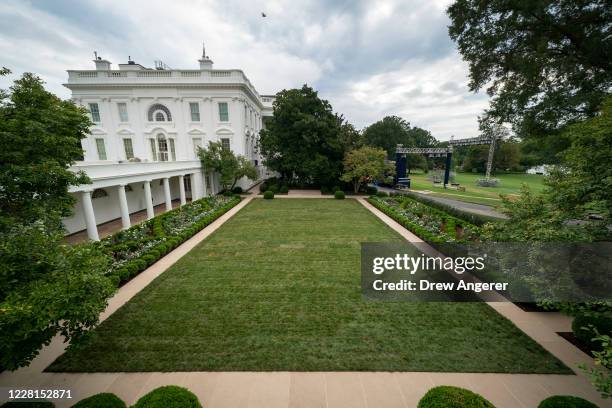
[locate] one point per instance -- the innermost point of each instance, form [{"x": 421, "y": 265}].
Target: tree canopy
[
  {"x": 223, "y": 161},
  {"x": 393, "y": 130},
  {"x": 305, "y": 139},
  {"x": 545, "y": 63},
  {"x": 362, "y": 165}
]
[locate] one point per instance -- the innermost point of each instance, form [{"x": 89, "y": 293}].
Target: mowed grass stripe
[{"x": 277, "y": 288}]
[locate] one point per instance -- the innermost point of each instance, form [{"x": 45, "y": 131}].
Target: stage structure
[{"x": 401, "y": 162}]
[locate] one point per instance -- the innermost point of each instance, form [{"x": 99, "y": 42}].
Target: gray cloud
[{"x": 369, "y": 59}]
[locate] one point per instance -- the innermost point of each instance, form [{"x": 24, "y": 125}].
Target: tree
[
  {"x": 393, "y": 130},
  {"x": 223, "y": 161},
  {"x": 40, "y": 136},
  {"x": 304, "y": 139},
  {"x": 46, "y": 287},
  {"x": 546, "y": 63},
  {"x": 364, "y": 164}
]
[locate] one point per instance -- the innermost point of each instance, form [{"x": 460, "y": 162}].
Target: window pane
[
  {"x": 129, "y": 149},
  {"x": 159, "y": 117},
  {"x": 223, "y": 113},
  {"x": 95, "y": 112},
  {"x": 123, "y": 113},
  {"x": 162, "y": 146},
  {"x": 101, "y": 149},
  {"x": 194, "y": 108},
  {"x": 172, "y": 150},
  {"x": 153, "y": 149},
  {"x": 225, "y": 143}
]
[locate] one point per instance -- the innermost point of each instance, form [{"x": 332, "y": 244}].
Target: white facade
[{"x": 148, "y": 123}]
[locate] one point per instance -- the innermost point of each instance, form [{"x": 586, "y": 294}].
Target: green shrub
[
  {"x": 169, "y": 396},
  {"x": 336, "y": 188},
  {"x": 28, "y": 404},
  {"x": 141, "y": 264},
  {"x": 371, "y": 190},
  {"x": 132, "y": 268},
  {"x": 339, "y": 195},
  {"x": 447, "y": 396},
  {"x": 273, "y": 188},
  {"x": 268, "y": 195},
  {"x": 237, "y": 190},
  {"x": 263, "y": 187},
  {"x": 283, "y": 189},
  {"x": 581, "y": 326},
  {"x": 566, "y": 401},
  {"x": 102, "y": 400},
  {"x": 228, "y": 193},
  {"x": 149, "y": 259},
  {"x": 382, "y": 194}
]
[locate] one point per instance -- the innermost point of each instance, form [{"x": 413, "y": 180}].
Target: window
[
  {"x": 162, "y": 148},
  {"x": 128, "y": 148},
  {"x": 123, "y": 113},
  {"x": 225, "y": 143},
  {"x": 101, "y": 149},
  {"x": 197, "y": 142},
  {"x": 95, "y": 112},
  {"x": 223, "y": 112},
  {"x": 172, "y": 149},
  {"x": 159, "y": 113},
  {"x": 194, "y": 108},
  {"x": 153, "y": 149}
]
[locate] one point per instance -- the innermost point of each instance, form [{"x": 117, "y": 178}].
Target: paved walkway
[{"x": 317, "y": 389}]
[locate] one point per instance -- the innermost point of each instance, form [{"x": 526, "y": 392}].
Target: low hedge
[
  {"x": 581, "y": 326},
  {"x": 268, "y": 195},
  {"x": 446, "y": 396},
  {"x": 339, "y": 195},
  {"x": 102, "y": 400},
  {"x": 566, "y": 401},
  {"x": 169, "y": 396}
]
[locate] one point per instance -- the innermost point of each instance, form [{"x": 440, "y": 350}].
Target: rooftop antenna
[
  {"x": 95, "y": 54},
  {"x": 203, "y": 50}
]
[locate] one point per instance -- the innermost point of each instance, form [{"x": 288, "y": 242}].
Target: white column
[
  {"x": 213, "y": 187},
  {"x": 196, "y": 185},
  {"x": 167, "y": 194},
  {"x": 181, "y": 180},
  {"x": 148, "y": 199},
  {"x": 203, "y": 184},
  {"x": 90, "y": 218},
  {"x": 123, "y": 206}
]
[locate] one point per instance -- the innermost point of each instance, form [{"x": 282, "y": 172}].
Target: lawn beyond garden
[{"x": 277, "y": 288}]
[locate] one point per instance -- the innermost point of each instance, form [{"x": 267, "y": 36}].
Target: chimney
[
  {"x": 206, "y": 63},
  {"x": 101, "y": 64}
]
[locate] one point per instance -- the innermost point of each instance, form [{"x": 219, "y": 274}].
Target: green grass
[
  {"x": 509, "y": 184},
  {"x": 278, "y": 288}
]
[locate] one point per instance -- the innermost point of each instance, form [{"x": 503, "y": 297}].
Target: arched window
[
  {"x": 99, "y": 193},
  {"x": 159, "y": 113},
  {"x": 162, "y": 147}
]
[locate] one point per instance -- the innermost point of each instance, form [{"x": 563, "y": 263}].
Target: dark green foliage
[
  {"x": 382, "y": 194},
  {"x": 586, "y": 326},
  {"x": 391, "y": 131},
  {"x": 28, "y": 404},
  {"x": 102, "y": 400},
  {"x": 273, "y": 188},
  {"x": 268, "y": 195},
  {"x": 263, "y": 187},
  {"x": 325, "y": 190},
  {"x": 371, "y": 190},
  {"x": 237, "y": 190},
  {"x": 283, "y": 189},
  {"x": 228, "y": 193},
  {"x": 546, "y": 64},
  {"x": 230, "y": 167},
  {"x": 446, "y": 396},
  {"x": 339, "y": 195},
  {"x": 566, "y": 401},
  {"x": 304, "y": 139},
  {"x": 169, "y": 396}
]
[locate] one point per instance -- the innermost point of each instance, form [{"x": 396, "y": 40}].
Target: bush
[
  {"x": 263, "y": 187},
  {"x": 102, "y": 400},
  {"x": 228, "y": 193},
  {"x": 268, "y": 195},
  {"x": 283, "y": 190},
  {"x": 339, "y": 195},
  {"x": 584, "y": 333},
  {"x": 381, "y": 194},
  {"x": 565, "y": 401},
  {"x": 335, "y": 188},
  {"x": 169, "y": 396},
  {"x": 371, "y": 190},
  {"x": 28, "y": 404},
  {"x": 325, "y": 191},
  {"x": 273, "y": 188},
  {"x": 237, "y": 190},
  {"x": 447, "y": 396}
]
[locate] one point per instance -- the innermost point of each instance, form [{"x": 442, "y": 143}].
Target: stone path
[{"x": 317, "y": 389}]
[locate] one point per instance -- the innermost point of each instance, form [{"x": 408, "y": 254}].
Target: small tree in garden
[
  {"x": 223, "y": 161},
  {"x": 363, "y": 164}
]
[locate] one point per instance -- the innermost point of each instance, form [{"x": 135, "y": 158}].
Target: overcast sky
[{"x": 368, "y": 58}]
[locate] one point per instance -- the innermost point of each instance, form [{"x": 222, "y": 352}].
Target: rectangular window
[
  {"x": 172, "y": 150},
  {"x": 194, "y": 108},
  {"x": 123, "y": 113},
  {"x": 101, "y": 149},
  {"x": 197, "y": 142},
  {"x": 223, "y": 112},
  {"x": 95, "y": 112},
  {"x": 128, "y": 148},
  {"x": 225, "y": 143},
  {"x": 153, "y": 149}
]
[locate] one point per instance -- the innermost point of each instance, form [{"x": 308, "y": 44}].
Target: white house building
[{"x": 148, "y": 123}]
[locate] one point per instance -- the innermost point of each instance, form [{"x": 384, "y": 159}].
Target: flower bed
[
  {"x": 430, "y": 224},
  {"x": 134, "y": 249}
]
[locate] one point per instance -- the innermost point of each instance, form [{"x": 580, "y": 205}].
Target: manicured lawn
[
  {"x": 278, "y": 288},
  {"x": 509, "y": 184}
]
